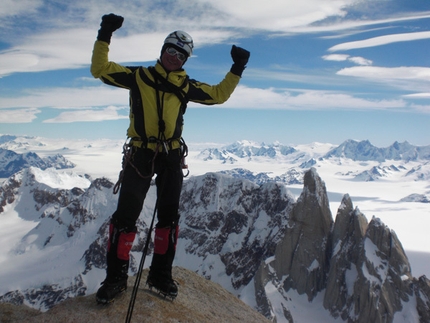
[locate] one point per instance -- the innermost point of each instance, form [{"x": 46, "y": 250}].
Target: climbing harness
[{"x": 128, "y": 150}]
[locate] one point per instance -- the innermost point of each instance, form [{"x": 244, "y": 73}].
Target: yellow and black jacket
[{"x": 157, "y": 98}]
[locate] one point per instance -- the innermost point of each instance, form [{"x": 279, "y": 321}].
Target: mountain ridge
[
  {"x": 365, "y": 151},
  {"x": 11, "y": 162},
  {"x": 356, "y": 150}
]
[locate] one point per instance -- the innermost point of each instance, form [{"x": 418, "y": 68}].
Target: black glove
[
  {"x": 240, "y": 58},
  {"x": 109, "y": 24}
]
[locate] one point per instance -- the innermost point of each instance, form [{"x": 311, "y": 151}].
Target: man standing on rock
[{"x": 158, "y": 99}]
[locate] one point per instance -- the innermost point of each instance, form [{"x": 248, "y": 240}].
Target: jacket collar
[{"x": 160, "y": 70}]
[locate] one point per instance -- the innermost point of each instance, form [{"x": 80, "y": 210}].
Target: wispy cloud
[
  {"x": 342, "y": 57},
  {"x": 409, "y": 78},
  {"x": 280, "y": 15},
  {"x": 304, "y": 99},
  {"x": 104, "y": 103},
  {"x": 88, "y": 115},
  {"x": 387, "y": 73},
  {"x": 381, "y": 40},
  {"x": 18, "y": 115},
  {"x": 424, "y": 95},
  {"x": 66, "y": 98},
  {"x": 13, "y": 8}
]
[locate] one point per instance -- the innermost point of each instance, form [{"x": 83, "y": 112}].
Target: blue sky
[{"x": 320, "y": 70}]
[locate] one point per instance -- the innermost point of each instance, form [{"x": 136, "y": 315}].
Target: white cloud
[
  {"x": 360, "y": 60},
  {"x": 424, "y": 95},
  {"x": 49, "y": 51},
  {"x": 254, "y": 98},
  {"x": 343, "y": 57},
  {"x": 279, "y": 15},
  {"x": 381, "y": 40},
  {"x": 18, "y": 115},
  {"x": 336, "y": 57},
  {"x": 244, "y": 97},
  {"x": 112, "y": 102},
  {"x": 410, "y": 78},
  {"x": 61, "y": 98},
  {"x": 87, "y": 115},
  {"x": 16, "y": 61},
  {"x": 387, "y": 73},
  {"x": 12, "y": 7},
  {"x": 350, "y": 27},
  {"x": 73, "y": 48}
]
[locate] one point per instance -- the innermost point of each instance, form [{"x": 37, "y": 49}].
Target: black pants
[
  {"x": 134, "y": 188},
  {"x": 132, "y": 195}
]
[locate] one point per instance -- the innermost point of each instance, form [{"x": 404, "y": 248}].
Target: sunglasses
[{"x": 171, "y": 51}]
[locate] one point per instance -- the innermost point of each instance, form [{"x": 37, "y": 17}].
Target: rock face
[
  {"x": 232, "y": 224},
  {"x": 349, "y": 231},
  {"x": 305, "y": 244},
  {"x": 422, "y": 294},
  {"x": 360, "y": 268},
  {"x": 302, "y": 258},
  {"x": 373, "y": 255}
]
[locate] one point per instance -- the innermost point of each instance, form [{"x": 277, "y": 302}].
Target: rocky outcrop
[
  {"x": 199, "y": 301},
  {"x": 233, "y": 224},
  {"x": 360, "y": 268},
  {"x": 302, "y": 256},
  {"x": 370, "y": 275},
  {"x": 422, "y": 294},
  {"x": 348, "y": 232},
  {"x": 301, "y": 260}
]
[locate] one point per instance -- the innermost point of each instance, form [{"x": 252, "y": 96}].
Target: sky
[{"x": 319, "y": 71}]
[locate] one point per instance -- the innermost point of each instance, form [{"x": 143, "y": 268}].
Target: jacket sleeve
[
  {"x": 213, "y": 94},
  {"x": 109, "y": 72}
]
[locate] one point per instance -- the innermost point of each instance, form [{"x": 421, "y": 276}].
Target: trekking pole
[{"x": 139, "y": 272}]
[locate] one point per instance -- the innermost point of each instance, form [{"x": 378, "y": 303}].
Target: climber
[{"x": 158, "y": 100}]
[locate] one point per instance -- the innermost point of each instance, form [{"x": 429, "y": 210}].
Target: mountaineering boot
[
  {"x": 160, "y": 272},
  {"x": 164, "y": 285},
  {"x": 109, "y": 290},
  {"x": 118, "y": 258}
]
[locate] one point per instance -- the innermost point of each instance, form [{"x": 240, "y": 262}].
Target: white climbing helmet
[{"x": 181, "y": 40}]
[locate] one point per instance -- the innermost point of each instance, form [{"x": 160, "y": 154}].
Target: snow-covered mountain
[
  {"x": 351, "y": 149},
  {"x": 241, "y": 155},
  {"x": 12, "y": 162},
  {"x": 245, "y": 149},
  {"x": 365, "y": 151},
  {"x": 252, "y": 239},
  {"x": 261, "y": 227}
]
